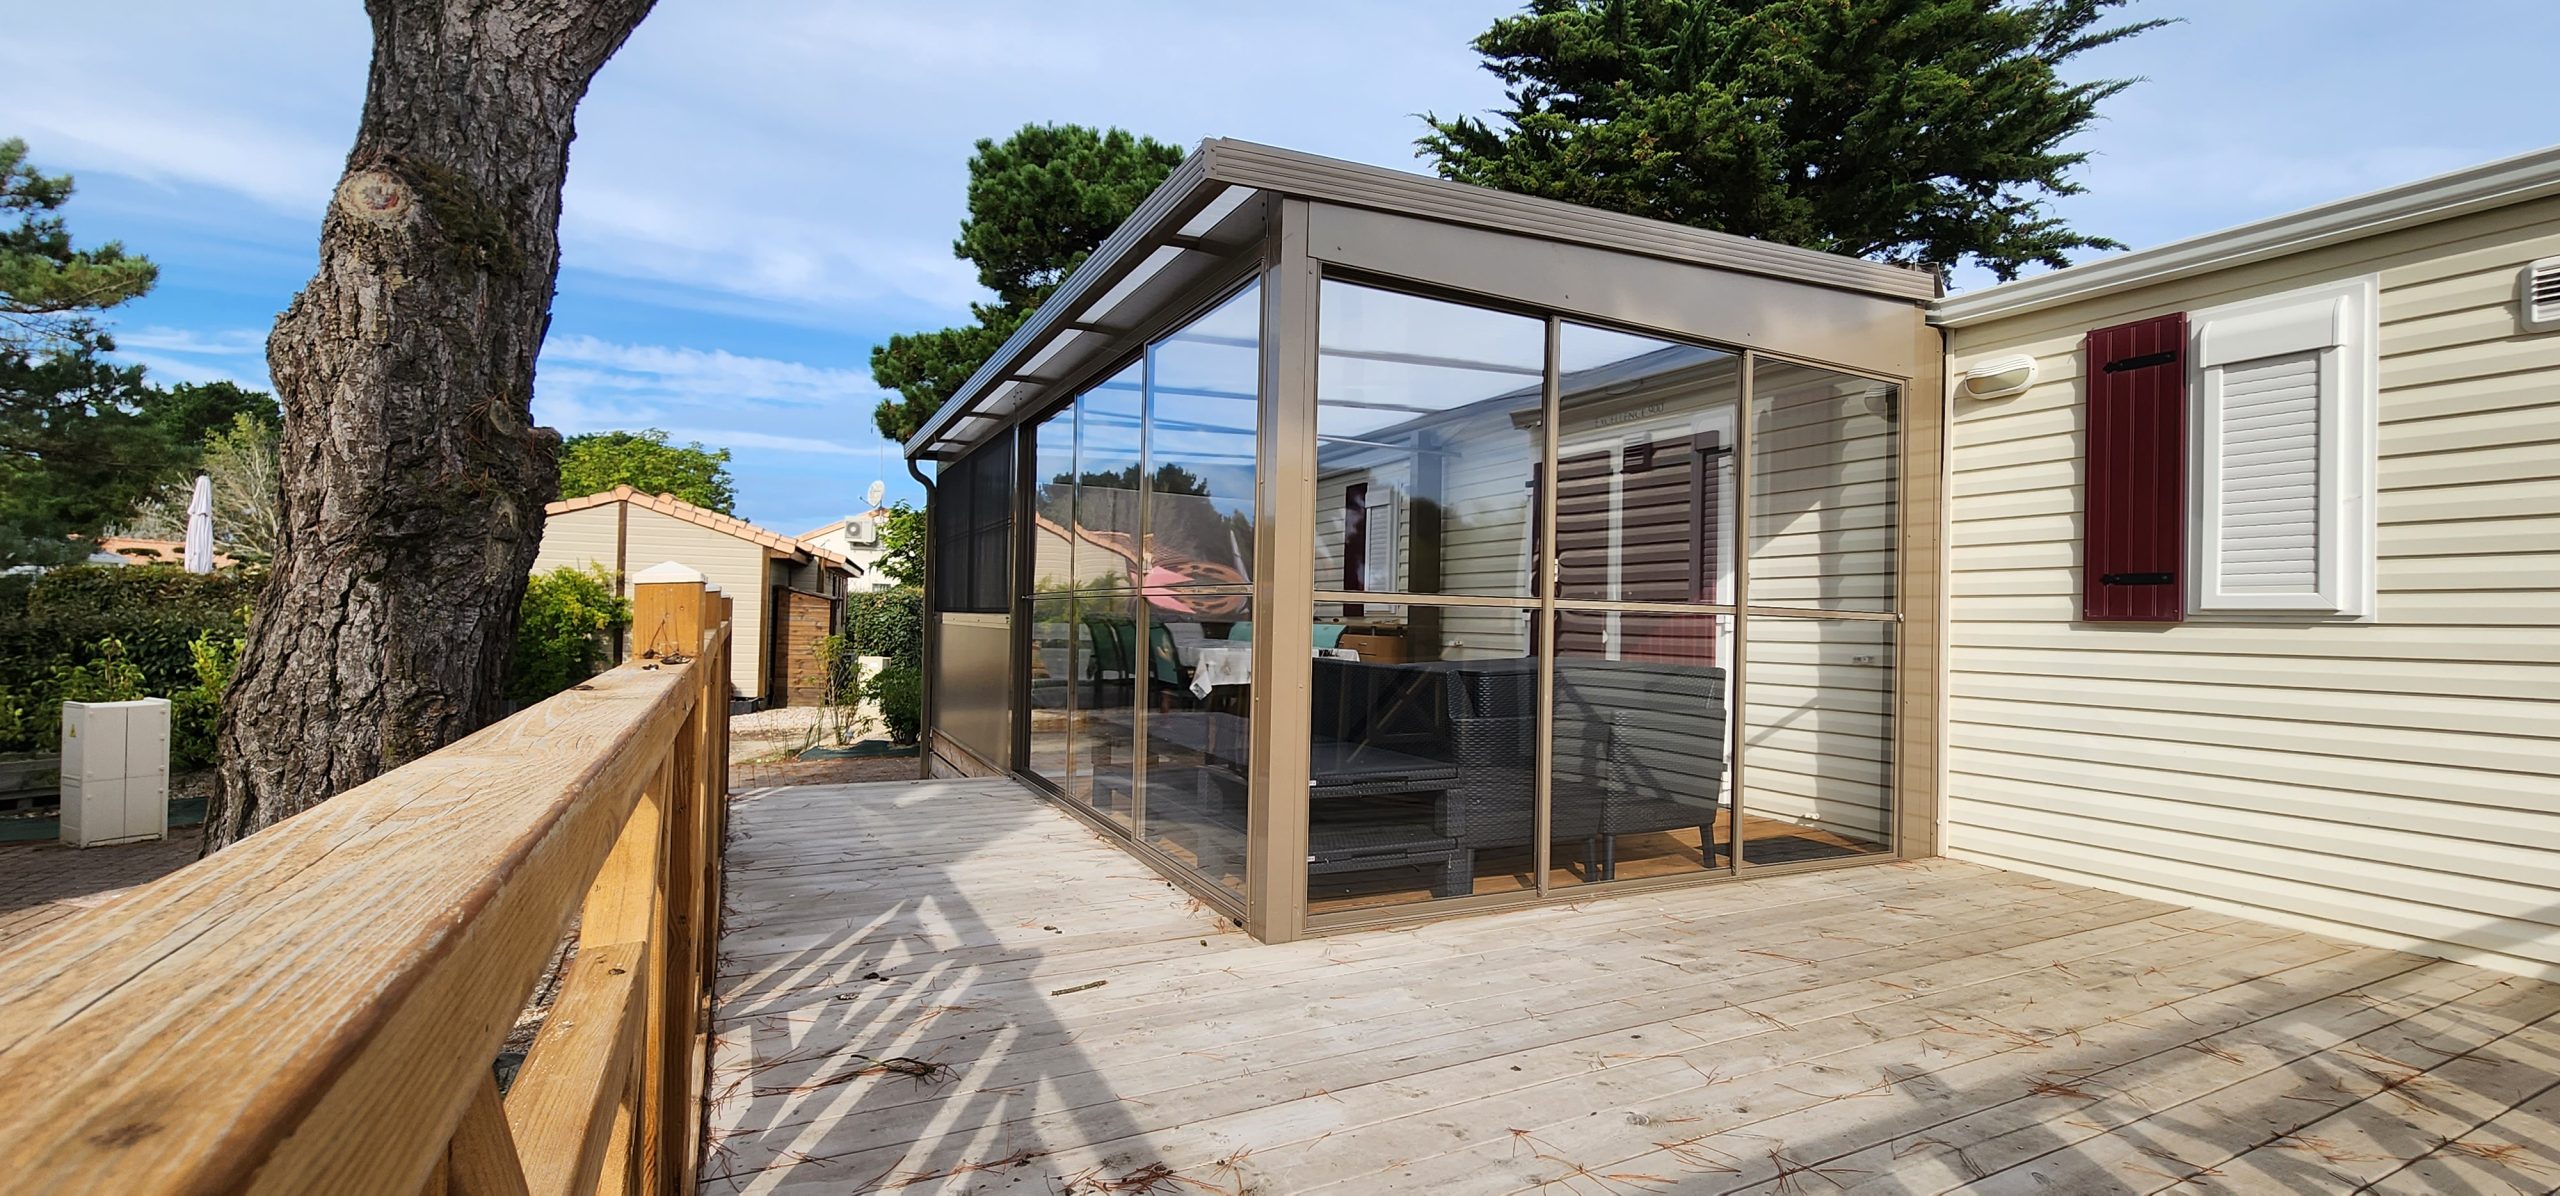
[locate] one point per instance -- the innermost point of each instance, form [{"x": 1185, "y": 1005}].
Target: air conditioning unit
[{"x": 115, "y": 772}]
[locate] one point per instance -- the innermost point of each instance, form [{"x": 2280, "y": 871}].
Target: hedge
[{"x": 96, "y": 633}]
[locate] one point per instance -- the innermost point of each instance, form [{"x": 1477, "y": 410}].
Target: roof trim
[
  {"x": 1221, "y": 162},
  {"x": 2498, "y": 184},
  {"x": 1406, "y": 193},
  {"x": 676, "y": 508}
]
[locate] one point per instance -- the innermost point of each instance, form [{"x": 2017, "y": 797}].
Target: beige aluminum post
[
  {"x": 1547, "y": 571},
  {"x": 1284, "y": 589},
  {"x": 1737, "y": 682}
]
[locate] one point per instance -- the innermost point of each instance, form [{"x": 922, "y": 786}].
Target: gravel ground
[{"x": 767, "y": 734}]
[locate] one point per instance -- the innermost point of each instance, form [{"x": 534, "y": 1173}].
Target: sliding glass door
[{"x": 1591, "y": 606}]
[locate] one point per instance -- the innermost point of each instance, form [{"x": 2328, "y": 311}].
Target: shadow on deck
[{"x": 951, "y": 986}]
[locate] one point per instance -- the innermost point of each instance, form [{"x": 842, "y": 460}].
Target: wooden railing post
[{"x": 672, "y": 602}]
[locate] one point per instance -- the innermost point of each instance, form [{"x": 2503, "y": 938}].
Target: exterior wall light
[{"x": 1998, "y": 378}]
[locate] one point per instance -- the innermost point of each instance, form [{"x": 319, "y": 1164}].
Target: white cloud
[
  {"x": 803, "y": 160},
  {"x": 713, "y": 377},
  {"x": 223, "y": 342},
  {"x": 732, "y": 438},
  {"x": 235, "y": 355}
]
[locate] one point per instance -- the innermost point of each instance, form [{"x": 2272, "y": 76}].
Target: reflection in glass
[
  {"x": 1822, "y": 488},
  {"x": 1052, "y": 688},
  {"x": 1202, "y": 387},
  {"x": 1108, "y": 421},
  {"x": 1641, "y": 783},
  {"x": 1422, "y": 756},
  {"x": 1053, "y": 472},
  {"x": 1644, "y": 469},
  {"x": 1101, "y": 756},
  {"x": 1199, "y": 729},
  {"x": 1817, "y": 735},
  {"x": 1427, "y": 440}
]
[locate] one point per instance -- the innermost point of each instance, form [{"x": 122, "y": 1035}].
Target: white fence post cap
[{"x": 667, "y": 571}]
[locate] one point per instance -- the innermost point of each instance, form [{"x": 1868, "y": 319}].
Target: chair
[
  {"x": 1641, "y": 744},
  {"x": 1113, "y": 656}
]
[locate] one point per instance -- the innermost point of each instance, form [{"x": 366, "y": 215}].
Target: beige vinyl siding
[
  {"x": 1816, "y": 715},
  {"x": 581, "y": 537},
  {"x": 736, "y": 566},
  {"x": 1822, "y": 482},
  {"x": 2396, "y": 782}
]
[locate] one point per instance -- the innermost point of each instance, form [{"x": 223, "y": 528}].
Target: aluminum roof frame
[{"x": 1217, "y": 202}]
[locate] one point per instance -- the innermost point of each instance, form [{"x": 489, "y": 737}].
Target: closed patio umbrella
[{"x": 200, "y": 527}]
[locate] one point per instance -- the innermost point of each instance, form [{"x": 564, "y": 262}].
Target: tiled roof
[{"x": 675, "y": 508}]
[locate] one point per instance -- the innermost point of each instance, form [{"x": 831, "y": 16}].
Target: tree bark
[{"x": 414, "y": 478}]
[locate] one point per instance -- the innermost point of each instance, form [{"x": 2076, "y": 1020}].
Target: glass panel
[
  {"x": 1202, "y": 390},
  {"x": 1423, "y": 755},
  {"x": 1053, "y": 470},
  {"x": 1817, "y": 734},
  {"x": 1641, "y": 778},
  {"x": 1822, "y": 488},
  {"x": 948, "y": 520},
  {"x": 1199, "y": 728},
  {"x": 1644, "y": 468},
  {"x": 1053, "y": 669},
  {"x": 1108, "y": 419},
  {"x": 1101, "y": 745},
  {"x": 1427, "y": 439}
]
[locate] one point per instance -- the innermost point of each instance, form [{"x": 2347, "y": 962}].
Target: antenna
[{"x": 879, "y": 490}]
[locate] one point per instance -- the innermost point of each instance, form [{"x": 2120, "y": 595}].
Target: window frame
[{"x": 2340, "y": 322}]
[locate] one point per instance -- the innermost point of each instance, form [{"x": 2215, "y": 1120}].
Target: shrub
[
  {"x": 890, "y": 624},
  {"x": 155, "y": 612},
  {"x": 899, "y": 689},
  {"x": 887, "y": 623},
  {"x": 195, "y": 713},
  {"x": 563, "y": 631}
]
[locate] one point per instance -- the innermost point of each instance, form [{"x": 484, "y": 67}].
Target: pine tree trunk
[{"x": 414, "y": 479}]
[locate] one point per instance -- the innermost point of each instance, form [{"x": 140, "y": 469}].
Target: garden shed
[{"x": 789, "y": 594}]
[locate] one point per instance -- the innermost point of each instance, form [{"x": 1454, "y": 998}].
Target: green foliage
[
  {"x": 890, "y": 623},
  {"x": 1040, "y": 201},
  {"x": 927, "y": 368},
  {"x": 189, "y": 413},
  {"x": 599, "y": 461},
  {"x": 248, "y": 493},
  {"x": 31, "y": 707},
  {"x": 88, "y": 633},
  {"x": 78, "y": 447},
  {"x": 902, "y": 545},
  {"x": 1914, "y": 131},
  {"x": 887, "y": 623},
  {"x": 47, "y": 287},
  {"x": 155, "y": 612},
  {"x": 195, "y": 712},
  {"x": 105, "y": 677},
  {"x": 563, "y": 631},
  {"x": 899, "y": 690}
]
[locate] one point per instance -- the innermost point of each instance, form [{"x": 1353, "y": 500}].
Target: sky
[{"x": 761, "y": 191}]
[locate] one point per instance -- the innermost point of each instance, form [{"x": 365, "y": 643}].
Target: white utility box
[{"x": 115, "y": 772}]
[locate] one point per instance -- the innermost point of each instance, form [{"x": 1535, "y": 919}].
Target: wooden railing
[{"x": 318, "y": 1007}]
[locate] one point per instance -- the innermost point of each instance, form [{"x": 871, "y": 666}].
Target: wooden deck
[{"x": 952, "y": 987}]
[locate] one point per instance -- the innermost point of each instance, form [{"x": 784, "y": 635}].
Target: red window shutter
[{"x": 2134, "y": 543}]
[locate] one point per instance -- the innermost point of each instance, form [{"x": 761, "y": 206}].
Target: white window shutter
[
  {"x": 2283, "y": 454},
  {"x": 2269, "y": 508}
]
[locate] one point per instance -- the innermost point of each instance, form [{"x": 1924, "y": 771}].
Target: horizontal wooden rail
[{"x": 317, "y": 1008}]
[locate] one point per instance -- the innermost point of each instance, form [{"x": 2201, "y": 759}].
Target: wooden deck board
[{"x": 1900, "y": 1028}]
